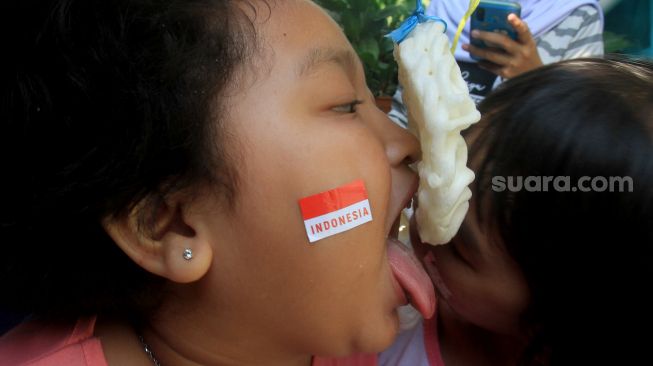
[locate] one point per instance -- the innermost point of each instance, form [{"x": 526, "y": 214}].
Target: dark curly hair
[
  {"x": 106, "y": 105},
  {"x": 586, "y": 255}
]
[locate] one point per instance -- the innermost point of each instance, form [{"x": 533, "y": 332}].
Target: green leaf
[
  {"x": 365, "y": 23},
  {"x": 333, "y": 5},
  {"x": 369, "y": 46},
  {"x": 391, "y": 11},
  {"x": 360, "y": 5},
  {"x": 614, "y": 42},
  {"x": 387, "y": 46},
  {"x": 369, "y": 62},
  {"x": 383, "y": 66},
  {"x": 351, "y": 26}
]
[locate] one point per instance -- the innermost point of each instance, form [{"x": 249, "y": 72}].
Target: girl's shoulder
[{"x": 37, "y": 343}]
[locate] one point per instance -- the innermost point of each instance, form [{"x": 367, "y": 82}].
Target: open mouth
[
  {"x": 399, "y": 229},
  {"x": 413, "y": 284}
]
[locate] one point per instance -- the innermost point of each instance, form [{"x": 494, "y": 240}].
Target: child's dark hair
[
  {"x": 106, "y": 105},
  {"x": 586, "y": 255}
]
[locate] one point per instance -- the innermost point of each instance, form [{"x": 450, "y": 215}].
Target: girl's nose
[{"x": 401, "y": 146}]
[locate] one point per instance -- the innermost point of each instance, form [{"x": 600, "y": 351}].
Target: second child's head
[{"x": 556, "y": 248}]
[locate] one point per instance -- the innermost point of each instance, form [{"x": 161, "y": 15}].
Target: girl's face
[
  {"x": 475, "y": 278},
  {"x": 305, "y": 124}
]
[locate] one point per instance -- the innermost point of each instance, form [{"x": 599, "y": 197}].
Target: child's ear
[{"x": 169, "y": 247}]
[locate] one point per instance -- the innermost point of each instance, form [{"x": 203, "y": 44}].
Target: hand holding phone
[
  {"x": 501, "y": 41},
  {"x": 492, "y": 16}
]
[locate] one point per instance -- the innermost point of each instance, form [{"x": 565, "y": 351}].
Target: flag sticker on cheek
[{"x": 335, "y": 211}]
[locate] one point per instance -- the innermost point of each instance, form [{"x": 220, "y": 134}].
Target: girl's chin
[{"x": 382, "y": 338}]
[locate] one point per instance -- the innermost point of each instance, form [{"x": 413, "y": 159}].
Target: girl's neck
[
  {"x": 122, "y": 347},
  {"x": 173, "y": 351},
  {"x": 464, "y": 344}
]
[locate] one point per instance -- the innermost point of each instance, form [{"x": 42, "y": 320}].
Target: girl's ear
[{"x": 170, "y": 247}]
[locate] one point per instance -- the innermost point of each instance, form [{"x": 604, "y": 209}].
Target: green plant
[
  {"x": 614, "y": 42},
  {"x": 365, "y": 23}
]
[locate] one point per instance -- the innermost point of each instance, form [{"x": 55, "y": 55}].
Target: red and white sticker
[{"x": 334, "y": 211}]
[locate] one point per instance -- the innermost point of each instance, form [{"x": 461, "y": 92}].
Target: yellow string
[{"x": 473, "y": 4}]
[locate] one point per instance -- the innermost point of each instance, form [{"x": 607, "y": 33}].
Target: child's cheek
[{"x": 434, "y": 273}]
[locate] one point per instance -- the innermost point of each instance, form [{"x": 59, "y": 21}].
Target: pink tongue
[{"x": 411, "y": 276}]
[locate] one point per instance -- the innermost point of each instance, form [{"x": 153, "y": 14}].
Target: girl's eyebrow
[{"x": 317, "y": 57}]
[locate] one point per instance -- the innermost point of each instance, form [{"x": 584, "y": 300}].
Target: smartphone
[{"x": 492, "y": 16}]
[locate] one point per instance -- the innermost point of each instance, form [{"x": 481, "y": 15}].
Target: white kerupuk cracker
[{"x": 439, "y": 108}]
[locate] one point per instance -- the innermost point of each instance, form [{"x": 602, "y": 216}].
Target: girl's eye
[{"x": 347, "y": 108}]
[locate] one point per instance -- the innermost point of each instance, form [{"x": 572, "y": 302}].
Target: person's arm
[{"x": 578, "y": 35}]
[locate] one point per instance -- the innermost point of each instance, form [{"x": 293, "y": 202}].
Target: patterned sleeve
[
  {"x": 579, "y": 35},
  {"x": 398, "y": 114}
]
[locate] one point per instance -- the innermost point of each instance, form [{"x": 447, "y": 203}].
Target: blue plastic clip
[{"x": 411, "y": 22}]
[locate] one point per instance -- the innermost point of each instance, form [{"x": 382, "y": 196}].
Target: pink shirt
[{"x": 39, "y": 344}]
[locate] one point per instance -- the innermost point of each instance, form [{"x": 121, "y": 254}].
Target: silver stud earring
[{"x": 188, "y": 254}]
